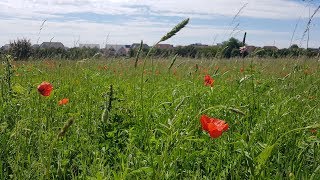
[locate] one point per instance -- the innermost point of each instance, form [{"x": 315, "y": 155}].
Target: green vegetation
[
  {"x": 125, "y": 133},
  {"x": 20, "y": 49},
  {"x": 140, "y": 119},
  {"x": 227, "y": 49}
]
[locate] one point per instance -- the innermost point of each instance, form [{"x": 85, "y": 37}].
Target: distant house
[
  {"x": 314, "y": 49},
  {"x": 137, "y": 45},
  {"x": 164, "y": 46},
  {"x": 274, "y": 48},
  {"x": 199, "y": 45},
  {"x": 251, "y": 49},
  {"x": 119, "y": 50},
  {"x": 35, "y": 46},
  {"x": 56, "y": 45},
  {"x": 123, "y": 51},
  {"x": 5, "y": 47},
  {"x": 92, "y": 46}
]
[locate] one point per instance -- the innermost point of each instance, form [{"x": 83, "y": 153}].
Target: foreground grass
[{"x": 152, "y": 130}]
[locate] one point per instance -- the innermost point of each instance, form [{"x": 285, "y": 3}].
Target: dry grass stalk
[
  {"x": 173, "y": 61},
  {"x": 309, "y": 23},
  {"x": 138, "y": 54}
]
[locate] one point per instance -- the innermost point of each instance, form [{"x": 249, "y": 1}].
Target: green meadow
[{"x": 123, "y": 122}]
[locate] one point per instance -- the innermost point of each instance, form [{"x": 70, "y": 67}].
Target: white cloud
[
  {"x": 22, "y": 18},
  {"x": 90, "y": 32},
  {"x": 272, "y": 9}
]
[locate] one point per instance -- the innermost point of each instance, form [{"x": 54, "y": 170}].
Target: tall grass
[{"x": 272, "y": 108}]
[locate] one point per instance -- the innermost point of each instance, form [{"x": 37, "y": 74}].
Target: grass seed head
[{"x": 176, "y": 29}]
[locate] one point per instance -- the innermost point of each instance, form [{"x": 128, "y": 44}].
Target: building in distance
[
  {"x": 91, "y": 46},
  {"x": 137, "y": 45},
  {"x": 55, "y": 45},
  {"x": 164, "y": 46}
]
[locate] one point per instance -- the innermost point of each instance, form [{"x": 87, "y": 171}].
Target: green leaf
[
  {"x": 3, "y": 127},
  {"x": 262, "y": 158},
  {"x": 17, "y": 88},
  {"x": 147, "y": 170}
]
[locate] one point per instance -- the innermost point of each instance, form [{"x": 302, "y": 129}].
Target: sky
[{"x": 267, "y": 22}]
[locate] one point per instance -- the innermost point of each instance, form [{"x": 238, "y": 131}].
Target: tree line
[{"x": 21, "y": 49}]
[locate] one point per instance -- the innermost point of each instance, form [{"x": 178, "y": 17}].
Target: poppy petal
[
  {"x": 214, "y": 131},
  {"x": 204, "y": 122},
  {"x": 63, "y": 101}
]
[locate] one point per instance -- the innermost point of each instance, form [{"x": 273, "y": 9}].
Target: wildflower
[
  {"x": 313, "y": 131},
  {"x": 175, "y": 71},
  {"x": 208, "y": 81},
  {"x": 312, "y": 97},
  {"x": 45, "y": 88},
  {"x": 307, "y": 72},
  {"x": 214, "y": 126},
  {"x": 63, "y": 101},
  {"x": 242, "y": 70}
]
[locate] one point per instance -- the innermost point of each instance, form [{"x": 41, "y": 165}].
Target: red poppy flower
[
  {"x": 208, "y": 81},
  {"x": 63, "y": 101},
  {"x": 214, "y": 126},
  {"x": 45, "y": 88}
]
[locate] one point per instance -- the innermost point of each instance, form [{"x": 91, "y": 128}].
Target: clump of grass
[{"x": 162, "y": 138}]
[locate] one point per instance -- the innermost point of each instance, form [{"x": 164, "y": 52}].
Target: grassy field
[{"x": 147, "y": 124}]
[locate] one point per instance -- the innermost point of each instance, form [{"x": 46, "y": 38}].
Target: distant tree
[
  {"x": 131, "y": 53},
  {"x": 282, "y": 53},
  {"x": 294, "y": 46},
  {"x": 259, "y": 52},
  {"x": 229, "y": 46},
  {"x": 295, "y": 51},
  {"x": 235, "y": 53},
  {"x": 20, "y": 49}
]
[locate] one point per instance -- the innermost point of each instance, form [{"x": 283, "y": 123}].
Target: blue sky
[{"x": 268, "y": 22}]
